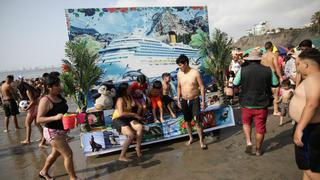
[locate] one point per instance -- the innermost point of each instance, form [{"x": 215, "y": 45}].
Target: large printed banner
[
  {"x": 101, "y": 140},
  {"x": 141, "y": 40}
]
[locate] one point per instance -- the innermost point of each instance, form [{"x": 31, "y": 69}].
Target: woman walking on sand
[{"x": 52, "y": 106}]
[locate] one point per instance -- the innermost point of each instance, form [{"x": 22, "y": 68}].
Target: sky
[{"x": 33, "y": 32}]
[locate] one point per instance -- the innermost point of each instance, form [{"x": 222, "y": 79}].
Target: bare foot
[
  {"x": 123, "y": 159},
  {"x": 189, "y": 142},
  {"x": 173, "y": 116},
  {"x": 25, "y": 142},
  {"x": 161, "y": 119},
  {"x": 43, "y": 146},
  {"x": 46, "y": 176},
  {"x": 156, "y": 121},
  {"x": 203, "y": 146},
  {"x": 277, "y": 113}
]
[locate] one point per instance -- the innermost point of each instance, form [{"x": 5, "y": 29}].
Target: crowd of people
[{"x": 289, "y": 83}]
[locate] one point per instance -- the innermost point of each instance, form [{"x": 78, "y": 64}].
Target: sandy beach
[{"x": 225, "y": 159}]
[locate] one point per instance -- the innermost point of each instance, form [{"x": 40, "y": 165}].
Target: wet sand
[{"x": 225, "y": 159}]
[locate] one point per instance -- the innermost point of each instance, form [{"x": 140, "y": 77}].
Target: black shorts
[
  {"x": 10, "y": 108},
  {"x": 166, "y": 100},
  {"x": 120, "y": 122},
  {"x": 308, "y": 156},
  {"x": 191, "y": 109}
]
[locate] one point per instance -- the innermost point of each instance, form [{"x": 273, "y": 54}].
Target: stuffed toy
[{"x": 105, "y": 101}]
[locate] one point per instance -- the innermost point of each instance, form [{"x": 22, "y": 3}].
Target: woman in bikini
[
  {"x": 29, "y": 93},
  {"x": 126, "y": 122}
]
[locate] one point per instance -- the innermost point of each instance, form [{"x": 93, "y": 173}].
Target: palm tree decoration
[
  {"x": 215, "y": 52},
  {"x": 83, "y": 72}
]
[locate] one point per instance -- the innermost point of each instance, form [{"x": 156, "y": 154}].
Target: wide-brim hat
[{"x": 254, "y": 55}]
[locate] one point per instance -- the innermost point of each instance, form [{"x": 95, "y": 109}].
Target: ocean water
[{"x": 28, "y": 73}]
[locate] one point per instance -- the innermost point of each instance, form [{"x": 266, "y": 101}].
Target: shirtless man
[
  {"x": 189, "y": 82},
  {"x": 305, "y": 110},
  {"x": 271, "y": 60},
  {"x": 9, "y": 104},
  {"x": 167, "y": 93}
]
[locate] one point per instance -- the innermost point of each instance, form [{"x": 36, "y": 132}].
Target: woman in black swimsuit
[{"x": 52, "y": 106}]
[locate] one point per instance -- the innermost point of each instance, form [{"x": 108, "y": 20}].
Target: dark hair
[
  {"x": 182, "y": 59},
  {"x": 10, "y": 77},
  {"x": 122, "y": 89},
  {"x": 157, "y": 84},
  {"x": 312, "y": 54},
  {"x": 51, "y": 80},
  {"x": 165, "y": 75},
  {"x": 141, "y": 79},
  {"x": 286, "y": 82},
  {"x": 45, "y": 75},
  {"x": 55, "y": 73},
  {"x": 23, "y": 87},
  {"x": 268, "y": 45},
  {"x": 306, "y": 43}
]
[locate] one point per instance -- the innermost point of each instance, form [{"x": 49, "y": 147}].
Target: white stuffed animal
[{"x": 105, "y": 101}]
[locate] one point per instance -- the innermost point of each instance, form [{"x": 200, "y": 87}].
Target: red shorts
[
  {"x": 156, "y": 102},
  {"x": 259, "y": 117}
]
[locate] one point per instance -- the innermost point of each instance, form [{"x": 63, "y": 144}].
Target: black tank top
[{"x": 57, "y": 108}]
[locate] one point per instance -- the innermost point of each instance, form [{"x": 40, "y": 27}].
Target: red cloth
[
  {"x": 136, "y": 90},
  {"x": 135, "y": 85},
  {"x": 259, "y": 117}
]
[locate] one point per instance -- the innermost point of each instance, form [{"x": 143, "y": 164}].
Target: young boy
[
  {"x": 166, "y": 92},
  {"x": 155, "y": 95},
  {"x": 286, "y": 93},
  {"x": 305, "y": 110}
]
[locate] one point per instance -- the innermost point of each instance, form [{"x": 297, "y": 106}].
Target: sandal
[{"x": 46, "y": 176}]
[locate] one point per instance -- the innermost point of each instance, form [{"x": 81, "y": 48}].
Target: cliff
[{"x": 285, "y": 38}]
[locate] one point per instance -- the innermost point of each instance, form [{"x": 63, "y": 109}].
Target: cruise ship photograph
[
  {"x": 139, "y": 40},
  {"x": 146, "y": 55}
]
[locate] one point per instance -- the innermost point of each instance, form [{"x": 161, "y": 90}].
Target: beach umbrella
[{"x": 281, "y": 49}]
